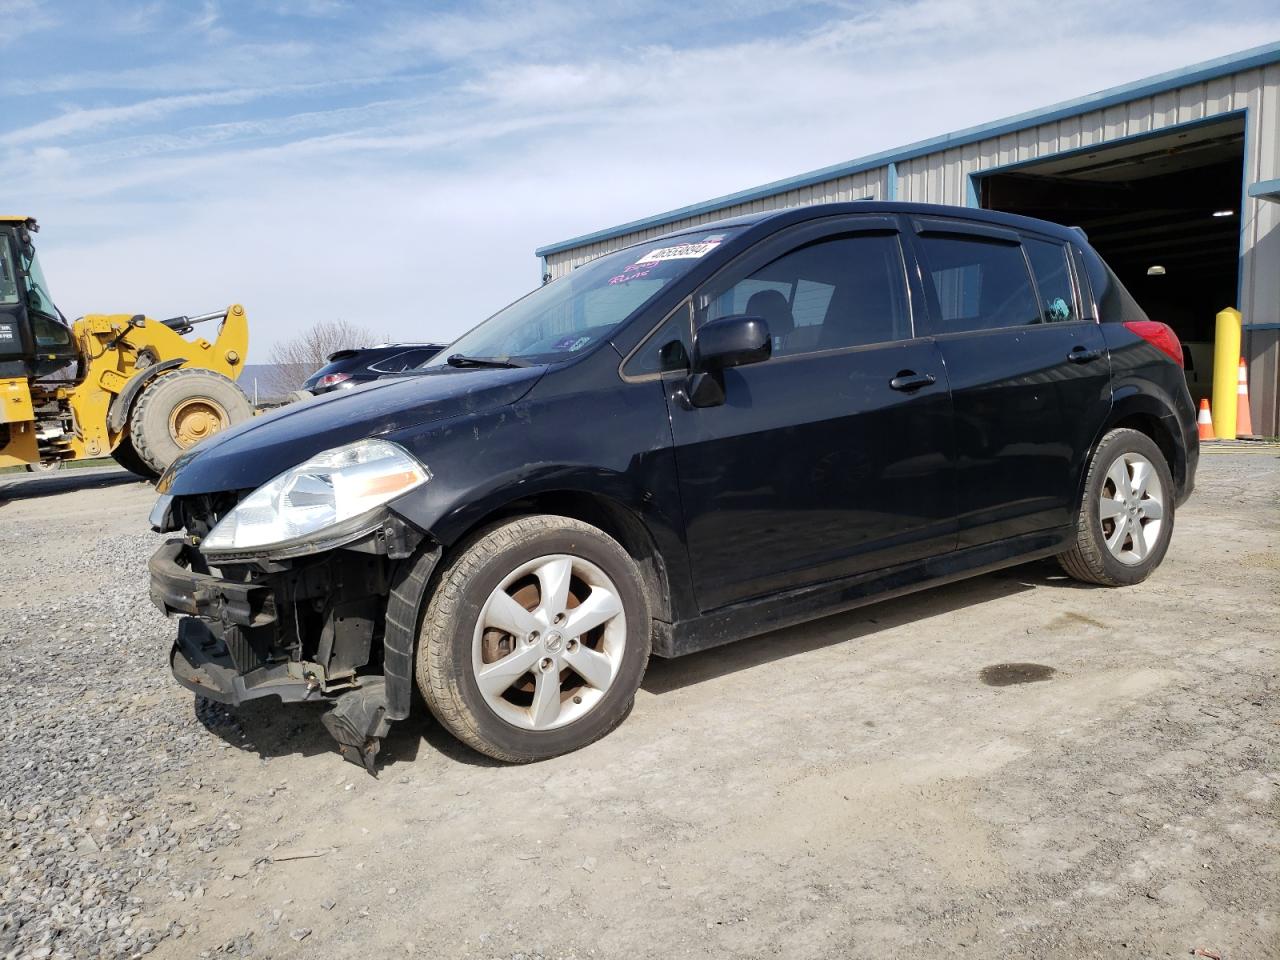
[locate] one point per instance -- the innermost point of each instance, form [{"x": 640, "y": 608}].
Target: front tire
[
  {"x": 179, "y": 409},
  {"x": 125, "y": 455},
  {"x": 1125, "y": 520},
  {"x": 535, "y": 640}
]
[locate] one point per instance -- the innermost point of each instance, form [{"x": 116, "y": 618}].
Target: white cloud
[
  {"x": 76, "y": 120},
  {"x": 416, "y": 208},
  {"x": 21, "y": 18}
]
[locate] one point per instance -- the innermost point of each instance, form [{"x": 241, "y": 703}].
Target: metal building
[{"x": 1175, "y": 178}]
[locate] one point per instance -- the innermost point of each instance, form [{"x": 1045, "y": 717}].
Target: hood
[{"x": 251, "y": 454}]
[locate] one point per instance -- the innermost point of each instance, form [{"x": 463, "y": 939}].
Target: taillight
[
  {"x": 329, "y": 379},
  {"x": 1159, "y": 335}
]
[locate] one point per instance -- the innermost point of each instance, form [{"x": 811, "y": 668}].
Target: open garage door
[{"x": 1164, "y": 211}]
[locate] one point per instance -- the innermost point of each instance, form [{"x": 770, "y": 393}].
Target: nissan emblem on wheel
[{"x": 682, "y": 443}]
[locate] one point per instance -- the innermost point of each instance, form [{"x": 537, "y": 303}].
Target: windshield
[
  {"x": 578, "y": 310},
  {"x": 38, "y": 298}
]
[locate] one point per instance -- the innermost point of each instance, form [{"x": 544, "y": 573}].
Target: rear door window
[
  {"x": 1052, "y": 271},
  {"x": 978, "y": 283}
]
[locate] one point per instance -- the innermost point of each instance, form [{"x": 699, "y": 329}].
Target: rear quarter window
[
  {"x": 1052, "y": 270},
  {"x": 1115, "y": 303}
]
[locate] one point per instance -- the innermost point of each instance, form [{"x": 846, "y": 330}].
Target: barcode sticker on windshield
[{"x": 684, "y": 251}]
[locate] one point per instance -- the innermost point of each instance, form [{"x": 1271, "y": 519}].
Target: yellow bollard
[{"x": 1226, "y": 369}]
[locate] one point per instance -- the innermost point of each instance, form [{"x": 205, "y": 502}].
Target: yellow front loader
[{"x": 128, "y": 386}]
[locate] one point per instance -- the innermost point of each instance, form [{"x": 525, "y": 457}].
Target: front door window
[{"x": 848, "y": 291}]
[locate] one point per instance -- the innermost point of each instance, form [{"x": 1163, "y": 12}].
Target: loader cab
[{"x": 35, "y": 340}]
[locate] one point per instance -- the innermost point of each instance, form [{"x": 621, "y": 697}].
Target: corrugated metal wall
[
  {"x": 942, "y": 177},
  {"x": 859, "y": 186}
]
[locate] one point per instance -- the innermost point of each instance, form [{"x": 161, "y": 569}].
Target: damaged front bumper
[
  {"x": 202, "y": 662},
  {"x": 337, "y": 627}
]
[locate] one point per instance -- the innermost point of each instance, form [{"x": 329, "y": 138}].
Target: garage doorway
[{"x": 1164, "y": 212}]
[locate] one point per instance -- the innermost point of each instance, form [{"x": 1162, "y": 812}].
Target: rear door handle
[
  {"x": 1083, "y": 354},
  {"x": 910, "y": 380}
]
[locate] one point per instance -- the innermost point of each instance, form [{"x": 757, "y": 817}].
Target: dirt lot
[{"x": 848, "y": 788}]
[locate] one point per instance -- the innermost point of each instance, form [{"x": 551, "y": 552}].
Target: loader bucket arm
[
  {"x": 225, "y": 355},
  {"x": 122, "y": 354}
]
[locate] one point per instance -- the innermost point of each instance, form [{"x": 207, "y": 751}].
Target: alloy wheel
[
  {"x": 549, "y": 642},
  {"x": 1131, "y": 508}
]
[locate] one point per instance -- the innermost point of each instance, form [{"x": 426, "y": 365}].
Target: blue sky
[{"x": 395, "y": 164}]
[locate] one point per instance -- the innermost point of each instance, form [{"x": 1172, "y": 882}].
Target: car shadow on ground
[
  {"x": 664, "y": 676},
  {"x": 26, "y": 486},
  {"x": 270, "y": 729}
]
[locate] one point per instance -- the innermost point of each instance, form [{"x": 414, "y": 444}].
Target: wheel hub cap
[
  {"x": 193, "y": 420},
  {"x": 549, "y": 641},
  {"x": 1131, "y": 508}
]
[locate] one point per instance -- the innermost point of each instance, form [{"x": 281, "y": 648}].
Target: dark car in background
[
  {"x": 703, "y": 437},
  {"x": 350, "y": 368}
]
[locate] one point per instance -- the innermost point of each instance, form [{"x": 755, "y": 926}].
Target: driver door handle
[
  {"x": 1080, "y": 354},
  {"x": 910, "y": 380}
]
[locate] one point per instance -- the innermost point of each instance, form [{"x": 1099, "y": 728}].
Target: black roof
[{"x": 882, "y": 207}]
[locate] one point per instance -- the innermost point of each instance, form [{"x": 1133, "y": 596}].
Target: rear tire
[
  {"x": 1125, "y": 519},
  {"x": 561, "y": 687},
  {"x": 179, "y": 409},
  {"x": 125, "y": 455}
]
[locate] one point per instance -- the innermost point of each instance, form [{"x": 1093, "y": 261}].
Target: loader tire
[
  {"x": 125, "y": 455},
  {"x": 178, "y": 410}
]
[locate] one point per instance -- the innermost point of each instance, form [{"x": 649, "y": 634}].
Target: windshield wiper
[{"x": 459, "y": 360}]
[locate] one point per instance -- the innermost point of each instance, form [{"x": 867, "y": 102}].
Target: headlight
[{"x": 330, "y": 499}]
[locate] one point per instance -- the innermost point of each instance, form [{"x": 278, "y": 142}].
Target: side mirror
[
  {"x": 727, "y": 342},
  {"x": 731, "y": 342}
]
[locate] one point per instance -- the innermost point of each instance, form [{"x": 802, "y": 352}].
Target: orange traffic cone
[
  {"x": 1244, "y": 425},
  {"x": 1205, "y": 421}
]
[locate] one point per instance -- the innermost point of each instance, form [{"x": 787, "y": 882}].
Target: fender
[
  {"x": 122, "y": 403},
  {"x": 1138, "y": 398},
  {"x": 448, "y": 519},
  {"x": 485, "y": 464}
]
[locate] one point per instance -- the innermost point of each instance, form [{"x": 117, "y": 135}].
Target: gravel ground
[{"x": 853, "y": 786}]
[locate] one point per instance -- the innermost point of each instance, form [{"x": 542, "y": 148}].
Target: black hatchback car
[
  {"x": 350, "y": 368},
  {"x": 702, "y": 437}
]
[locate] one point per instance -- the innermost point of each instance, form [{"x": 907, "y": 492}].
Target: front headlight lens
[{"x": 333, "y": 489}]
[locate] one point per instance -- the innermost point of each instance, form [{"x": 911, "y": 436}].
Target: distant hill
[{"x": 264, "y": 376}]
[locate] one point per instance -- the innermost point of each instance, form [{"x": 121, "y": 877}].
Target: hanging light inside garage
[
  {"x": 1224, "y": 213},
  {"x": 1155, "y": 270}
]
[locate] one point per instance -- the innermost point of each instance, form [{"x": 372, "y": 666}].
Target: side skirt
[{"x": 754, "y": 617}]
